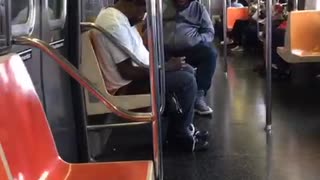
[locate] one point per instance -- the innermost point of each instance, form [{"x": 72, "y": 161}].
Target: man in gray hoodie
[{"x": 189, "y": 32}]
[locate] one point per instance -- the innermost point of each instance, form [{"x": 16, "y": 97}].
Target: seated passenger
[
  {"x": 280, "y": 68},
  {"x": 236, "y": 4},
  {"x": 120, "y": 21},
  {"x": 242, "y": 26},
  {"x": 219, "y": 26},
  {"x": 244, "y": 2},
  {"x": 189, "y": 32}
]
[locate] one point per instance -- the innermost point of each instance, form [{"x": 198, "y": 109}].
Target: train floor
[{"x": 240, "y": 149}]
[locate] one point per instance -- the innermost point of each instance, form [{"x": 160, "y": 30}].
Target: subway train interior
[{"x": 229, "y": 91}]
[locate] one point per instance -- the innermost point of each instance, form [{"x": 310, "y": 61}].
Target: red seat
[
  {"x": 27, "y": 141},
  {"x": 5, "y": 172},
  {"x": 235, "y": 14}
]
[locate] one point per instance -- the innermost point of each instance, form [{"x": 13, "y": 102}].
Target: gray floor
[{"x": 239, "y": 147}]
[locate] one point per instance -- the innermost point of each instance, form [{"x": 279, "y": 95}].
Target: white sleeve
[
  {"x": 115, "y": 52},
  {"x": 122, "y": 35}
]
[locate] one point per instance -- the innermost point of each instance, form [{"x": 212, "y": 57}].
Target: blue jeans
[
  {"x": 202, "y": 56},
  {"x": 183, "y": 84}
]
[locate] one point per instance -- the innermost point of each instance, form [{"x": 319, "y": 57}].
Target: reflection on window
[
  {"x": 55, "y": 9},
  {"x": 93, "y": 7},
  {"x": 2, "y": 17},
  {"x": 3, "y": 27},
  {"x": 19, "y": 11}
]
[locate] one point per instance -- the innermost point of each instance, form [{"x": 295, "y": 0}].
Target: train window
[
  {"x": 93, "y": 7},
  {"x": 23, "y": 14},
  {"x": 57, "y": 13},
  {"x": 312, "y": 5},
  {"x": 20, "y": 11},
  {"x": 2, "y": 18},
  {"x": 4, "y": 27},
  {"x": 55, "y": 9}
]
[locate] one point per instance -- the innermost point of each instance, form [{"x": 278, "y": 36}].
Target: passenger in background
[
  {"x": 244, "y": 2},
  {"x": 236, "y": 4},
  {"x": 280, "y": 68},
  {"x": 235, "y": 37},
  {"x": 120, "y": 21},
  {"x": 189, "y": 32},
  {"x": 241, "y": 26}
]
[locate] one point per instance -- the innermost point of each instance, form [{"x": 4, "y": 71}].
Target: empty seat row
[{"x": 302, "y": 38}]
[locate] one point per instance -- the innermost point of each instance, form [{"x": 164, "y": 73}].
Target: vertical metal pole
[
  {"x": 258, "y": 25},
  {"x": 295, "y": 5},
  {"x": 154, "y": 9},
  {"x": 160, "y": 46},
  {"x": 225, "y": 28},
  {"x": 209, "y": 8},
  {"x": 268, "y": 60},
  {"x": 74, "y": 55}
]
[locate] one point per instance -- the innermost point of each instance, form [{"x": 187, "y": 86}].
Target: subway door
[
  {"x": 56, "y": 83},
  {"x": 25, "y": 20}
]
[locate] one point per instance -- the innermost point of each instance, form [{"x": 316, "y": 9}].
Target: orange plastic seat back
[
  {"x": 305, "y": 30},
  {"x": 24, "y": 131},
  {"x": 235, "y": 14}
]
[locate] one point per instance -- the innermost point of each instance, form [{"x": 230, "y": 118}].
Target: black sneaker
[
  {"x": 200, "y": 145},
  {"x": 203, "y": 135}
]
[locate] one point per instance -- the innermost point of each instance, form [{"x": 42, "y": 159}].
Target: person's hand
[{"x": 175, "y": 64}]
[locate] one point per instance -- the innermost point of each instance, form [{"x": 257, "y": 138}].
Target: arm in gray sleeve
[{"x": 206, "y": 30}]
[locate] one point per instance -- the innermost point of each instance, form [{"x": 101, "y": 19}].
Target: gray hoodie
[{"x": 186, "y": 28}]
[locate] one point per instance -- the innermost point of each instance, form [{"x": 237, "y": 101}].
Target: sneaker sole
[{"x": 204, "y": 112}]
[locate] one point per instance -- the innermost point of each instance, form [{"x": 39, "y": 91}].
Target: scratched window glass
[
  {"x": 20, "y": 11},
  {"x": 3, "y": 26},
  {"x": 93, "y": 7},
  {"x": 55, "y": 8}
]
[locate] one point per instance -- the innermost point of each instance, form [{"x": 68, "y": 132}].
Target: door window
[
  {"x": 23, "y": 14},
  {"x": 57, "y": 11},
  {"x": 20, "y": 11},
  {"x": 4, "y": 27}
]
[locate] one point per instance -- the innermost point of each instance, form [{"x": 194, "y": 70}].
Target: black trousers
[
  {"x": 278, "y": 37},
  {"x": 238, "y": 30}
]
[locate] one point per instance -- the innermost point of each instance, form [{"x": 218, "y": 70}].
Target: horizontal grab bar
[{"x": 74, "y": 73}]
